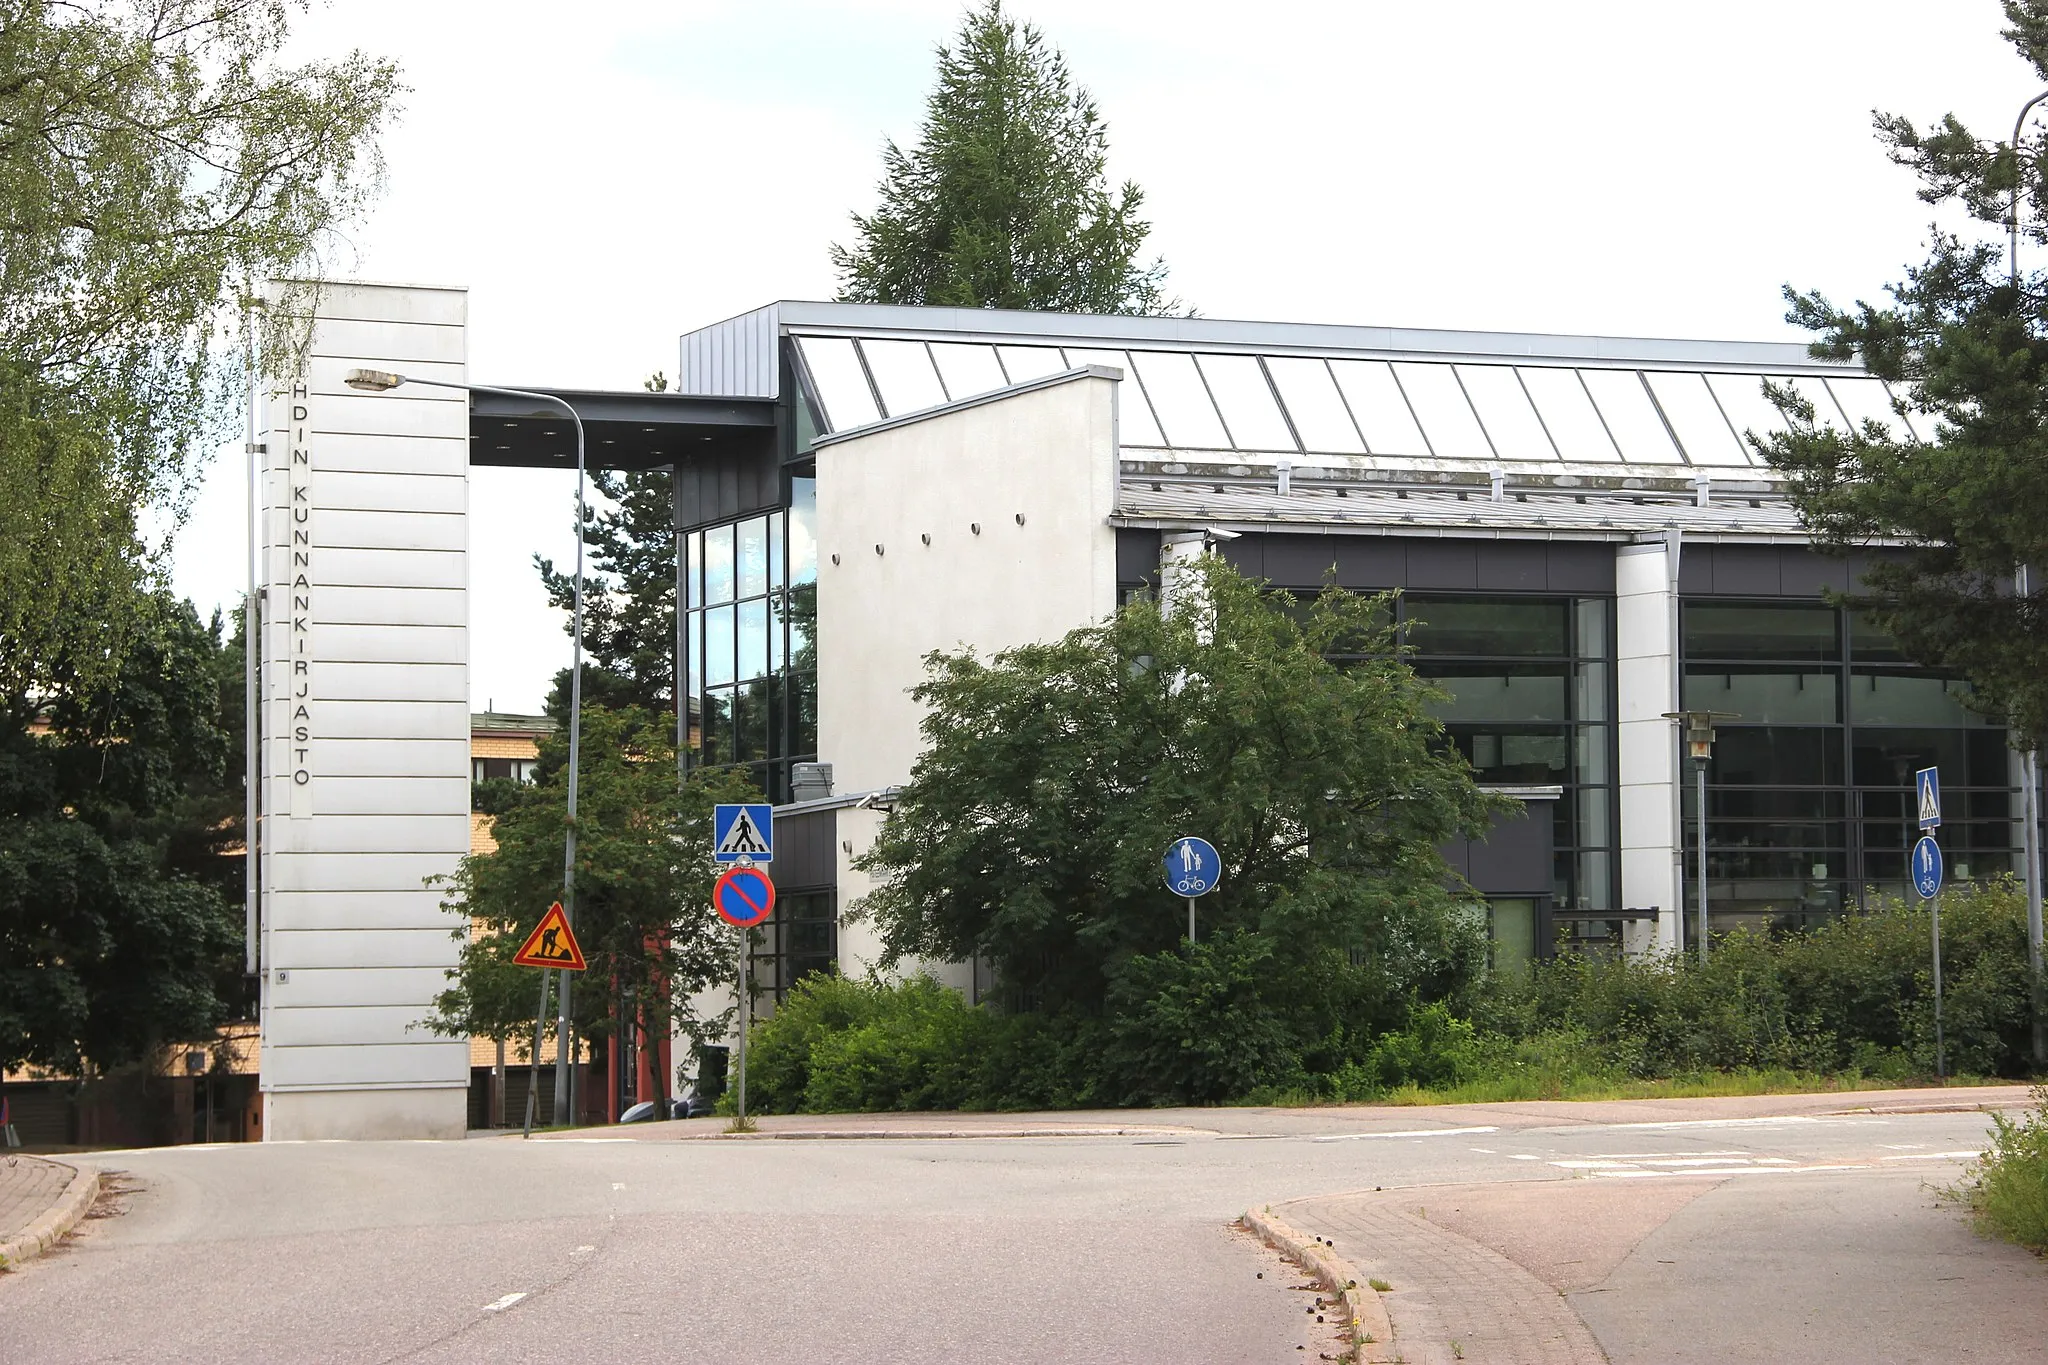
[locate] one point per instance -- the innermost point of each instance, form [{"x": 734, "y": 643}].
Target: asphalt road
[{"x": 1029, "y": 1249}]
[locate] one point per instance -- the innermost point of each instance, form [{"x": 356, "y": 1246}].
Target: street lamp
[
  {"x": 1699, "y": 746},
  {"x": 2030, "y": 759},
  {"x": 383, "y": 381}
]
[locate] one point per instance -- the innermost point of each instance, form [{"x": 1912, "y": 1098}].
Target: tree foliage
[
  {"x": 643, "y": 889},
  {"x": 1031, "y": 831},
  {"x": 1005, "y": 201},
  {"x": 157, "y": 164},
  {"x": 119, "y": 928},
  {"x": 1967, "y": 355}
]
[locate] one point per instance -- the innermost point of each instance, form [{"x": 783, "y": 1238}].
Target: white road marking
[
  {"x": 568, "y": 1139},
  {"x": 1935, "y": 1156},
  {"x": 618, "y": 1184},
  {"x": 502, "y": 1304},
  {"x": 1523, "y": 1156},
  {"x": 1645, "y": 1156},
  {"x": 582, "y": 1251},
  {"x": 1485, "y": 1151},
  {"x": 1408, "y": 1133}
]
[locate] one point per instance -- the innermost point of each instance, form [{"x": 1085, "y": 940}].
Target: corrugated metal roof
[{"x": 1445, "y": 512}]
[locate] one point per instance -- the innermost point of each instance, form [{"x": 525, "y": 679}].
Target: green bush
[
  {"x": 839, "y": 1046},
  {"x": 2008, "y": 1187},
  {"x": 1195, "y": 1026}
]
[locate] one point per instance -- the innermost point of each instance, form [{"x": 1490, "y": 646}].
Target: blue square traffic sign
[
  {"x": 1927, "y": 796},
  {"x": 743, "y": 833}
]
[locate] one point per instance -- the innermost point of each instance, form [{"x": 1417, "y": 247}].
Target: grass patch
[{"x": 2007, "y": 1189}]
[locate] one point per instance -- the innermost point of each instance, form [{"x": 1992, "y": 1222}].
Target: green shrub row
[
  {"x": 2007, "y": 1189},
  {"x": 1237, "y": 1017}
]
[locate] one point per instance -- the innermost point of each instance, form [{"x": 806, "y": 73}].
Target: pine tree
[
  {"x": 1964, "y": 343},
  {"x": 1004, "y": 202}
]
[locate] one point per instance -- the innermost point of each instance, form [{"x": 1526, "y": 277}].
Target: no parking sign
[{"x": 743, "y": 897}]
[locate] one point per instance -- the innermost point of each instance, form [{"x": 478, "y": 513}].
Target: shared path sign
[
  {"x": 1927, "y": 867},
  {"x": 1193, "y": 867}
]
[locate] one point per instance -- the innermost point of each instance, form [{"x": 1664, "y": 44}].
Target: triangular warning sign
[
  {"x": 551, "y": 944},
  {"x": 743, "y": 837}
]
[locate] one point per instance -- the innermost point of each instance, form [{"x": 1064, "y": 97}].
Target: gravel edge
[{"x": 1372, "y": 1334}]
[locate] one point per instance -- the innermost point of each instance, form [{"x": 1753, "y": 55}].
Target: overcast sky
[{"x": 606, "y": 176}]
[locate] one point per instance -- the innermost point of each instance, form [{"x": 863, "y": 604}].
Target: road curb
[
  {"x": 1372, "y": 1332},
  {"x": 50, "y": 1229}
]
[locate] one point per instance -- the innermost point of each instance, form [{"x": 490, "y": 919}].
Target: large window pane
[
  {"x": 693, "y": 635},
  {"x": 1815, "y": 391},
  {"x": 1180, "y": 400},
  {"x": 1315, "y": 405},
  {"x": 1592, "y": 613},
  {"x": 1630, "y": 416},
  {"x": 1592, "y": 754},
  {"x": 1765, "y": 695},
  {"x": 1909, "y": 698},
  {"x": 1384, "y": 417},
  {"x": 1511, "y": 756},
  {"x": 778, "y": 632},
  {"x": 1031, "y": 362},
  {"x": 1135, "y": 426},
  {"x": 803, "y": 715},
  {"x": 967, "y": 369},
  {"x": 1869, "y": 642},
  {"x": 777, "y": 576},
  {"x": 752, "y": 559},
  {"x": 1486, "y": 626},
  {"x": 1589, "y": 691},
  {"x": 1697, "y": 419},
  {"x": 750, "y": 723},
  {"x": 717, "y": 729},
  {"x": 1715, "y": 630},
  {"x": 1440, "y": 405},
  {"x": 803, "y": 530},
  {"x": 1512, "y": 692},
  {"x": 718, "y": 566},
  {"x": 842, "y": 384},
  {"x": 1866, "y": 400},
  {"x": 1774, "y": 756},
  {"x": 1241, "y": 393},
  {"x": 693, "y": 568},
  {"x": 1742, "y": 398},
  {"x": 903, "y": 372},
  {"x": 753, "y": 639},
  {"x": 1505, "y": 411},
  {"x": 718, "y": 655},
  {"x": 1568, "y": 414}
]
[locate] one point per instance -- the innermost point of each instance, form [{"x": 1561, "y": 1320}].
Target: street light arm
[{"x": 2013, "y": 223}]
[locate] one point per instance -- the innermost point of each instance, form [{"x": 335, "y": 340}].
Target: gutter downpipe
[{"x": 1674, "y": 542}]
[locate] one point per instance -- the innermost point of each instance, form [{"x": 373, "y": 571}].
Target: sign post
[
  {"x": 552, "y": 944},
  {"x": 1926, "y": 870},
  {"x": 743, "y": 896},
  {"x": 1193, "y": 867}
]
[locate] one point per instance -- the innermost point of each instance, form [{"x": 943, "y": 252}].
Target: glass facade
[
  {"x": 1532, "y": 704},
  {"x": 750, "y": 606},
  {"x": 801, "y": 937},
  {"x": 1809, "y": 793}
]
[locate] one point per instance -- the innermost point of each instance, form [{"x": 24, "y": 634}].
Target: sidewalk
[
  {"x": 40, "y": 1201},
  {"x": 1824, "y": 1269}
]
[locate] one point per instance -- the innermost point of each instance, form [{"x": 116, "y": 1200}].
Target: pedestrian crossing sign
[
  {"x": 1927, "y": 788},
  {"x": 551, "y": 944},
  {"x": 743, "y": 833}
]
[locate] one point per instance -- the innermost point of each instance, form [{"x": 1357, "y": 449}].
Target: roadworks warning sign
[{"x": 552, "y": 944}]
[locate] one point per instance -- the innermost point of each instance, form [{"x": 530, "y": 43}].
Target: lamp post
[
  {"x": 383, "y": 381},
  {"x": 1699, "y": 746},
  {"x": 2030, "y": 757}
]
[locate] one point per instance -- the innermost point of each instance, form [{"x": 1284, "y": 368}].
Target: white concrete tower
[{"x": 365, "y": 676}]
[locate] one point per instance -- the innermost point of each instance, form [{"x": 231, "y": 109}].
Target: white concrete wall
[
  {"x": 366, "y": 721},
  {"x": 1646, "y": 673},
  {"x": 1047, "y": 456}
]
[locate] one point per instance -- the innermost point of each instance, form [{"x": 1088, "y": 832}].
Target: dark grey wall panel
[
  {"x": 805, "y": 858},
  {"x": 725, "y": 485},
  {"x": 1581, "y": 566},
  {"x": 1744, "y": 570},
  {"x": 1443, "y": 565},
  {"x": 1805, "y": 574},
  {"x": 1370, "y": 561},
  {"x": 1515, "y": 857},
  {"x": 1513, "y": 565},
  {"x": 1770, "y": 571},
  {"x": 1137, "y": 555},
  {"x": 1300, "y": 561}
]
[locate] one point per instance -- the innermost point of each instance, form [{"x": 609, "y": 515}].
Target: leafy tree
[
  {"x": 643, "y": 890},
  {"x": 120, "y": 930},
  {"x": 1004, "y": 202},
  {"x": 157, "y": 165},
  {"x": 1967, "y": 354},
  {"x": 1031, "y": 830}
]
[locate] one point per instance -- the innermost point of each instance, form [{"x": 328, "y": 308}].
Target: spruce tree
[
  {"x": 1004, "y": 202},
  {"x": 1963, "y": 342}
]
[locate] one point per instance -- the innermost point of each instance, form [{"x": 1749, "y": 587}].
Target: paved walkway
[{"x": 28, "y": 1188}]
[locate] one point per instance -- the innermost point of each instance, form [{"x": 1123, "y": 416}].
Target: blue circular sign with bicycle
[
  {"x": 1193, "y": 867},
  {"x": 1927, "y": 867}
]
